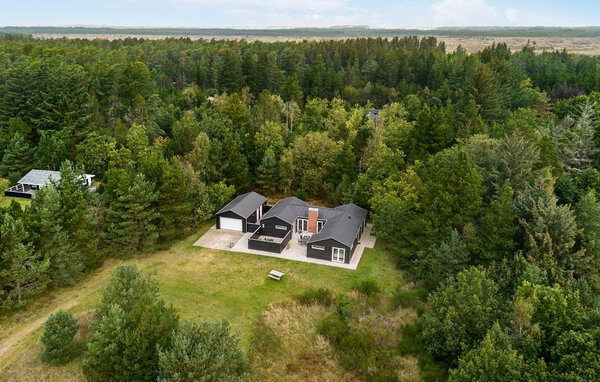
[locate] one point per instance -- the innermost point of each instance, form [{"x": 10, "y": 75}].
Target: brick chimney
[{"x": 313, "y": 214}]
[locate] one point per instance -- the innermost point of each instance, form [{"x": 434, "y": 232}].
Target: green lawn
[
  {"x": 5, "y": 200},
  {"x": 201, "y": 283}
]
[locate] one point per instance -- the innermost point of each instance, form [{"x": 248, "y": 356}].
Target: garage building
[{"x": 244, "y": 209}]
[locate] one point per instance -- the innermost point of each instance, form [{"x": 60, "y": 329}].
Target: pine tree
[
  {"x": 268, "y": 173},
  {"x": 587, "y": 215},
  {"x": 431, "y": 133},
  {"x": 66, "y": 263},
  {"x": 203, "y": 353},
  {"x": 442, "y": 261},
  {"x": 230, "y": 76},
  {"x": 452, "y": 197},
  {"x": 131, "y": 219},
  {"x": 17, "y": 158},
  {"x": 59, "y": 338},
  {"x": 460, "y": 313},
  {"x": 75, "y": 214},
  {"x": 174, "y": 206},
  {"x": 292, "y": 92},
  {"x": 343, "y": 164},
  {"x": 131, "y": 322},
  {"x": 493, "y": 360},
  {"x": 24, "y": 273},
  {"x": 50, "y": 153},
  {"x": 496, "y": 237}
]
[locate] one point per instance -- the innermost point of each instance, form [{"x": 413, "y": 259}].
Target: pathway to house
[{"x": 221, "y": 239}]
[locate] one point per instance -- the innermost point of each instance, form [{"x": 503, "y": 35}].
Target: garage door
[{"x": 231, "y": 224}]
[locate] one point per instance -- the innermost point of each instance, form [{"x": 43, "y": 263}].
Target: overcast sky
[{"x": 298, "y": 13}]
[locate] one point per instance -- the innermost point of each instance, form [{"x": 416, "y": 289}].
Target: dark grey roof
[
  {"x": 39, "y": 177},
  {"x": 288, "y": 209},
  {"x": 374, "y": 114},
  {"x": 43, "y": 177},
  {"x": 245, "y": 204},
  {"x": 342, "y": 227}
]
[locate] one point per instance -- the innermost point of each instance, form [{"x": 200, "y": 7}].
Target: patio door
[
  {"x": 338, "y": 255},
  {"x": 302, "y": 225}
]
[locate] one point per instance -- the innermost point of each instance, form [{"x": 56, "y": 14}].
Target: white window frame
[
  {"x": 320, "y": 225},
  {"x": 302, "y": 223},
  {"x": 336, "y": 259},
  {"x": 281, "y": 227},
  {"x": 318, "y": 247}
]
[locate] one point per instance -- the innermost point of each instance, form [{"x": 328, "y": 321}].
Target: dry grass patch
[
  {"x": 288, "y": 348},
  {"x": 27, "y": 365}
]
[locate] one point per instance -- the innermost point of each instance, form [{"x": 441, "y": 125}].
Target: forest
[{"x": 480, "y": 172}]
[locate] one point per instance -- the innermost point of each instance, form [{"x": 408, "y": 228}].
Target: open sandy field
[{"x": 583, "y": 45}]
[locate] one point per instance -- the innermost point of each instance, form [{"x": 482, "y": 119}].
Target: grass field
[
  {"x": 5, "y": 200},
  {"x": 472, "y": 44},
  {"x": 201, "y": 283}
]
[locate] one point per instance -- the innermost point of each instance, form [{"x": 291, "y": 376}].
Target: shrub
[
  {"x": 320, "y": 296},
  {"x": 357, "y": 351},
  {"x": 342, "y": 307},
  {"x": 204, "y": 352},
  {"x": 368, "y": 287},
  {"x": 409, "y": 298},
  {"x": 59, "y": 338},
  {"x": 333, "y": 328}
]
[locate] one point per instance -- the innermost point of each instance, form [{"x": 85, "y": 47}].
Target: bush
[
  {"x": 14, "y": 177},
  {"x": 342, "y": 307},
  {"x": 204, "y": 352},
  {"x": 357, "y": 351},
  {"x": 320, "y": 296},
  {"x": 368, "y": 287},
  {"x": 333, "y": 328},
  {"x": 409, "y": 298},
  {"x": 59, "y": 338}
]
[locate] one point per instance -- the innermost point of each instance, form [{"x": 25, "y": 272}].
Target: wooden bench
[{"x": 276, "y": 275}]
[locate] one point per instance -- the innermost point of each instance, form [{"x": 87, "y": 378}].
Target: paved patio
[
  {"x": 219, "y": 238},
  {"x": 222, "y": 239}
]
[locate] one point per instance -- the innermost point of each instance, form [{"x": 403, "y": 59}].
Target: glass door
[{"x": 338, "y": 255}]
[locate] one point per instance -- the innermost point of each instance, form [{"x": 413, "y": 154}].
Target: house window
[
  {"x": 338, "y": 255},
  {"x": 302, "y": 225},
  {"x": 281, "y": 227},
  {"x": 320, "y": 225},
  {"x": 318, "y": 247}
]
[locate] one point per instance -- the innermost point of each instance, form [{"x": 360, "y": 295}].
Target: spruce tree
[
  {"x": 59, "y": 338},
  {"x": 452, "y": 197},
  {"x": 50, "y": 152},
  {"x": 131, "y": 219},
  {"x": 17, "y": 157},
  {"x": 173, "y": 201},
  {"x": 496, "y": 235},
  {"x": 230, "y": 76},
  {"x": 587, "y": 216},
  {"x": 75, "y": 214},
  {"x": 444, "y": 260},
  {"x": 550, "y": 235},
  {"x": 25, "y": 271},
  {"x": 66, "y": 262},
  {"x": 268, "y": 173}
]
